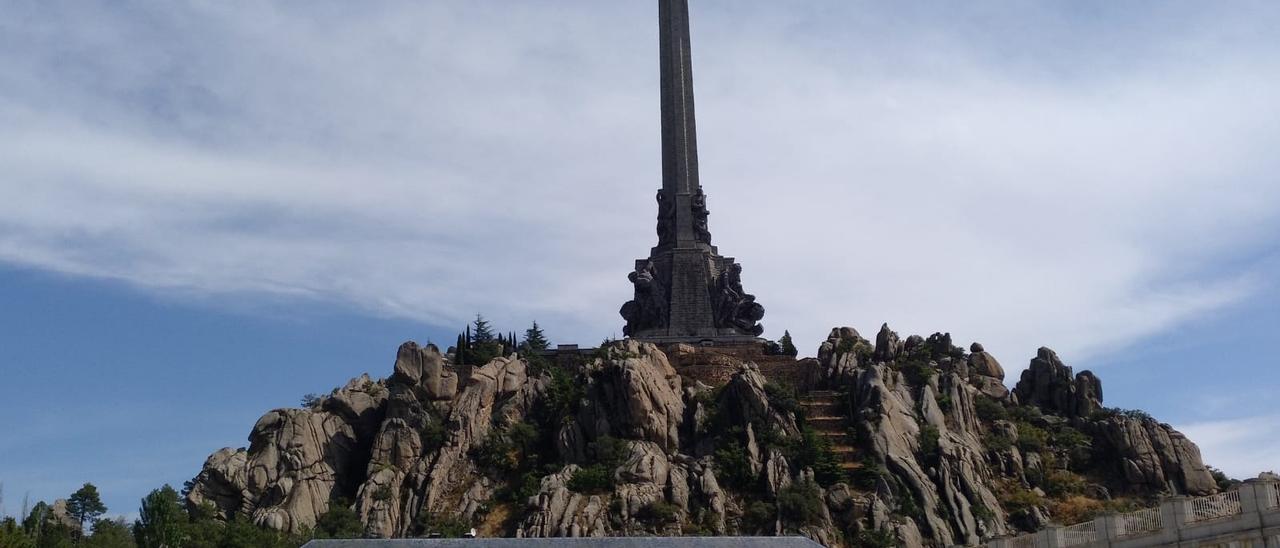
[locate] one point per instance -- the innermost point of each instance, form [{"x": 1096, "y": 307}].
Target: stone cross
[
  {"x": 679, "y": 131},
  {"x": 685, "y": 291}
]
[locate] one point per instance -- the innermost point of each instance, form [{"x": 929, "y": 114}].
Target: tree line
[
  {"x": 164, "y": 521},
  {"x": 478, "y": 343}
]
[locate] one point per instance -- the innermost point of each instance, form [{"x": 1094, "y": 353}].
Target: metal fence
[
  {"x": 1081, "y": 533},
  {"x": 1024, "y": 541},
  {"x": 1214, "y": 507},
  {"x": 1142, "y": 522}
]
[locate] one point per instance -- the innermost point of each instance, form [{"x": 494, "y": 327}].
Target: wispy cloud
[
  {"x": 431, "y": 161},
  {"x": 1241, "y": 447}
]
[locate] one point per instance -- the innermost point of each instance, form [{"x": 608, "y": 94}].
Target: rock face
[
  {"x": 909, "y": 441},
  {"x": 1047, "y": 383},
  {"x": 1154, "y": 456},
  {"x": 297, "y": 460}
]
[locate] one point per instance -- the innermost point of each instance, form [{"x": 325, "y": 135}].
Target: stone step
[
  {"x": 823, "y": 418},
  {"x": 829, "y": 429},
  {"x": 836, "y": 406}
]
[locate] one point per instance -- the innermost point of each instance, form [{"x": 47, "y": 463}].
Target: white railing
[
  {"x": 1139, "y": 523},
  {"x": 1264, "y": 495},
  {"x": 1024, "y": 541},
  {"x": 1081, "y": 533},
  {"x": 1216, "y": 506}
]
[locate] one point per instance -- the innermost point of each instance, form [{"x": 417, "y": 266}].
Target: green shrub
[
  {"x": 732, "y": 466},
  {"x": 815, "y": 451},
  {"x": 758, "y": 516},
  {"x": 989, "y": 409},
  {"x": 1031, "y": 438},
  {"x": 908, "y": 506},
  {"x": 997, "y": 441},
  {"x": 928, "y": 439},
  {"x": 496, "y": 453},
  {"x": 1025, "y": 413},
  {"x": 868, "y": 475},
  {"x": 537, "y": 362},
  {"x": 339, "y": 521},
  {"x": 1061, "y": 483},
  {"x": 564, "y": 396},
  {"x": 782, "y": 397},
  {"x": 845, "y": 346},
  {"x": 658, "y": 513},
  {"x": 864, "y": 352},
  {"x": 801, "y": 503},
  {"x": 1020, "y": 499},
  {"x": 1224, "y": 482},
  {"x": 433, "y": 436},
  {"x": 444, "y": 526},
  {"x": 526, "y": 486},
  {"x": 983, "y": 513},
  {"x": 592, "y": 479},
  {"x": 874, "y": 539},
  {"x": 918, "y": 372},
  {"x": 609, "y": 451}
]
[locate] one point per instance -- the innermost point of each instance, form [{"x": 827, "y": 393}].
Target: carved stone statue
[
  {"x": 700, "y": 214},
  {"x": 734, "y": 306},
  {"x": 649, "y": 307},
  {"x": 666, "y": 220}
]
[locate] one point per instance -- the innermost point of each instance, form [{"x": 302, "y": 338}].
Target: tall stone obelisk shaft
[
  {"x": 679, "y": 131},
  {"x": 685, "y": 291}
]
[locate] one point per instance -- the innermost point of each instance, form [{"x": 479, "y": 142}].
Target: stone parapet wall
[{"x": 1248, "y": 517}]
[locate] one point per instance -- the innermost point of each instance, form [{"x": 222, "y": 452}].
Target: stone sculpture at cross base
[{"x": 685, "y": 291}]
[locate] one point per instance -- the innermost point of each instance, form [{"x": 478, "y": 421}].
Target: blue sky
[{"x": 207, "y": 211}]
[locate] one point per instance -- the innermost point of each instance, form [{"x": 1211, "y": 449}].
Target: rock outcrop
[
  {"x": 1151, "y": 456},
  {"x": 297, "y": 460},
  {"x": 1048, "y": 384},
  {"x": 910, "y": 441}
]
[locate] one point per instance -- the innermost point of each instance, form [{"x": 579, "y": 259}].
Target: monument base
[{"x": 714, "y": 340}]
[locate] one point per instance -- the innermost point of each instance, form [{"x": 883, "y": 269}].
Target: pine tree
[
  {"x": 85, "y": 504},
  {"x": 160, "y": 519},
  {"x": 483, "y": 333},
  {"x": 485, "y": 345},
  {"x": 788, "y": 347},
  {"x": 534, "y": 338}
]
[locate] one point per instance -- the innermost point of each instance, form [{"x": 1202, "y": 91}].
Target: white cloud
[
  {"x": 1241, "y": 447},
  {"x": 432, "y": 161}
]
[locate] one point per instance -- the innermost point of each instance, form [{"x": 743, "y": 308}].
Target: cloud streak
[
  {"x": 431, "y": 161},
  {"x": 1241, "y": 447}
]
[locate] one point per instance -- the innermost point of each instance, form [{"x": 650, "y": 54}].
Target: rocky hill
[{"x": 911, "y": 442}]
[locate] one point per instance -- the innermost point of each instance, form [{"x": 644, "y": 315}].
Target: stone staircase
[{"x": 826, "y": 414}]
